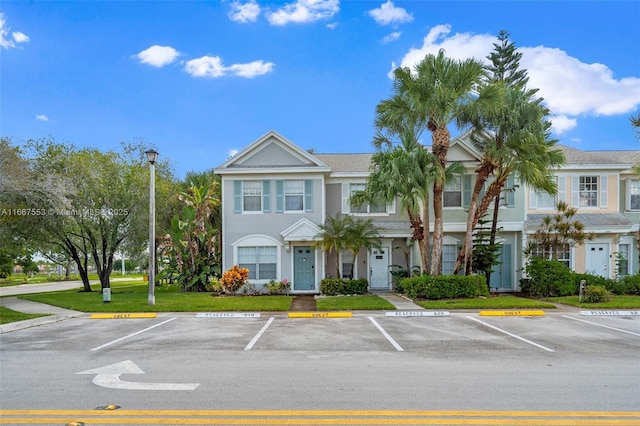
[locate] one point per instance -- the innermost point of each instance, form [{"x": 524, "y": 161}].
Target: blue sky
[{"x": 200, "y": 80}]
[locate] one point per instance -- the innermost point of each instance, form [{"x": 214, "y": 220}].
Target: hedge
[
  {"x": 444, "y": 286},
  {"x": 336, "y": 286}
]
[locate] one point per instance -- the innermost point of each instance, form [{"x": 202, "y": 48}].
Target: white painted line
[
  {"x": 131, "y": 335},
  {"x": 385, "y": 334},
  {"x": 417, "y": 314},
  {"x": 511, "y": 334},
  {"x": 228, "y": 315},
  {"x": 257, "y": 336},
  {"x": 611, "y": 313},
  {"x": 601, "y": 325}
]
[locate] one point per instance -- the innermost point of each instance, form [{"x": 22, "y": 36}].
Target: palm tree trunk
[
  {"x": 436, "y": 253},
  {"x": 427, "y": 233}
]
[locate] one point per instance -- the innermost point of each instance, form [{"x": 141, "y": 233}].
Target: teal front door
[
  {"x": 304, "y": 269},
  {"x": 502, "y": 275}
]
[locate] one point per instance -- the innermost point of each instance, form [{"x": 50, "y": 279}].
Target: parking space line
[
  {"x": 131, "y": 335},
  {"x": 602, "y": 325},
  {"x": 385, "y": 334},
  {"x": 257, "y": 336},
  {"x": 511, "y": 334}
]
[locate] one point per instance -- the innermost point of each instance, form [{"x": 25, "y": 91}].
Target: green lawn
[
  {"x": 7, "y": 315},
  {"x": 341, "y": 303},
  {"x": 133, "y": 297},
  {"x": 18, "y": 279},
  {"x": 617, "y": 302},
  {"x": 498, "y": 302}
]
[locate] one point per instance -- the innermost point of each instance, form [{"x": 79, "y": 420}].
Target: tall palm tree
[
  {"x": 515, "y": 141},
  {"x": 432, "y": 96},
  {"x": 403, "y": 172}
]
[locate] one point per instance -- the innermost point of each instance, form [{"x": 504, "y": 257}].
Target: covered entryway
[
  {"x": 379, "y": 274},
  {"x": 598, "y": 259},
  {"x": 304, "y": 268}
]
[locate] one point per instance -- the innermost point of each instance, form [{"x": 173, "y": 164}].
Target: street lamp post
[{"x": 152, "y": 156}]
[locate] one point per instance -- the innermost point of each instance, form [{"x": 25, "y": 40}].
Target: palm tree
[
  {"x": 333, "y": 237},
  {"x": 403, "y": 172},
  {"x": 432, "y": 96},
  {"x": 515, "y": 140},
  {"x": 361, "y": 233},
  {"x": 635, "y": 123}
]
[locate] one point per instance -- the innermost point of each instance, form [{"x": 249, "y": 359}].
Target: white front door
[
  {"x": 598, "y": 259},
  {"x": 379, "y": 275}
]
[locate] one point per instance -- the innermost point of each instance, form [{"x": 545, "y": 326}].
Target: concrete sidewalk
[
  {"x": 401, "y": 303},
  {"x": 15, "y": 290},
  {"x": 54, "y": 313}
]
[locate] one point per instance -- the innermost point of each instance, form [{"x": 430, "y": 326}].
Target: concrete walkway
[
  {"x": 54, "y": 313},
  {"x": 401, "y": 303}
]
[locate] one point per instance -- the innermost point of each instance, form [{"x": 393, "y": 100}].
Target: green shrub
[
  {"x": 336, "y": 286},
  {"x": 444, "y": 287},
  {"x": 596, "y": 294},
  {"x": 548, "y": 278},
  {"x": 628, "y": 284},
  {"x": 592, "y": 280}
]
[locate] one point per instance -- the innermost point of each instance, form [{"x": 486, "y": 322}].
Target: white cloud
[
  {"x": 212, "y": 67},
  {"x": 392, "y": 37},
  {"x": 571, "y": 88},
  {"x": 244, "y": 12},
  {"x": 42, "y": 117},
  {"x": 303, "y": 11},
  {"x": 561, "y": 124},
  {"x": 332, "y": 26},
  {"x": 233, "y": 152},
  {"x": 389, "y": 14},
  {"x": 17, "y": 37},
  {"x": 158, "y": 56}
]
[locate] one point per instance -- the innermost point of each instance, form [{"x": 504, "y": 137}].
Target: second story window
[
  {"x": 452, "y": 196},
  {"x": 251, "y": 195},
  {"x": 588, "y": 191},
  {"x": 294, "y": 195},
  {"x": 634, "y": 194},
  {"x": 376, "y": 207}
]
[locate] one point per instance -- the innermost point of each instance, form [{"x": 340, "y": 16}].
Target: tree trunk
[
  {"x": 427, "y": 233},
  {"x": 438, "y": 228}
]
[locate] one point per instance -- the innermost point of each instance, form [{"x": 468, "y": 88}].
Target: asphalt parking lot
[{"x": 462, "y": 361}]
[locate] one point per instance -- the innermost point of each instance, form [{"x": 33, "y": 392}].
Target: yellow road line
[
  {"x": 323, "y": 421},
  {"x": 512, "y": 313},
  {"x": 125, "y": 315},
  {"x": 320, "y": 314}
]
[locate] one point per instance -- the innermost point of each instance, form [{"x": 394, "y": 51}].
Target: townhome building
[{"x": 275, "y": 196}]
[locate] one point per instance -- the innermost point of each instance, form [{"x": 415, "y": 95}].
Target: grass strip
[
  {"x": 497, "y": 302},
  {"x": 353, "y": 303},
  {"x": 8, "y": 315}
]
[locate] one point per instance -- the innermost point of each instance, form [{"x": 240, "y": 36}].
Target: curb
[{"x": 35, "y": 322}]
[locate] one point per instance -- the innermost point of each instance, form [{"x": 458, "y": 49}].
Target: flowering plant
[
  {"x": 278, "y": 287},
  {"x": 233, "y": 279}
]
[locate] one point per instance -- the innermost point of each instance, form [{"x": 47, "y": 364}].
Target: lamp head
[{"x": 152, "y": 156}]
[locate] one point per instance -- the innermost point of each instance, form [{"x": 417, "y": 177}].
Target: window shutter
[
  {"x": 308, "y": 195},
  {"x": 627, "y": 194},
  {"x": 466, "y": 191},
  {"x": 510, "y": 196},
  {"x": 562, "y": 189},
  {"x": 266, "y": 196},
  {"x": 533, "y": 198},
  {"x": 345, "y": 198},
  {"x": 604, "y": 197},
  {"x": 575, "y": 192},
  {"x": 279, "y": 196},
  {"x": 237, "y": 196}
]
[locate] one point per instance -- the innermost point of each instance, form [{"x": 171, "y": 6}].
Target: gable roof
[{"x": 272, "y": 151}]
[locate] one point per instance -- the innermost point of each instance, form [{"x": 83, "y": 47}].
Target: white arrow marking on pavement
[{"x": 109, "y": 377}]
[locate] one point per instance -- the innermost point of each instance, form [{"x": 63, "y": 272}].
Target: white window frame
[
  {"x": 633, "y": 185},
  {"x": 454, "y": 186},
  {"x": 259, "y": 254},
  {"x": 247, "y": 191},
  {"x": 294, "y": 188},
  {"x": 586, "y": 191}
]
